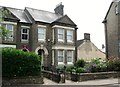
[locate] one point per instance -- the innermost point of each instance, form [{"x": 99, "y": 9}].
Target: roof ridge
[{"x": 41, "y": 10}]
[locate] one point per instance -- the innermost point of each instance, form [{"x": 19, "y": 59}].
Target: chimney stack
[
  {"x": 59, "y": 9},
  {"x": 86, "y": 36}
]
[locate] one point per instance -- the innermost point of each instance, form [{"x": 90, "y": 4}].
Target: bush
[
  {"x": 96, "y": 65},
  {"x": 80, "y": 63},
  {"x": 113, "y": 64},
  {"x": 18, "y": 63},
  {"x": 80, "y": 70}
]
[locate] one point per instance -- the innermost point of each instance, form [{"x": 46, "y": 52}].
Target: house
[
  {"x": 49, "y": 34},
  {"x": 87, "y": 50},
  {"x": 112, "y": 30}
]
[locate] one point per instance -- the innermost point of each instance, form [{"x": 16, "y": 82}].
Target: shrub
[
  {"x": 80, "y": 70},
  {"x": 18, "y": 63},
  {"x": 113, "y": 64},
  {"x": 80, "y": 63},
  {"x": 96, "y": 65}
]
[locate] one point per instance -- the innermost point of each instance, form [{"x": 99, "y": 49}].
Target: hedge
[{"x": 19, "y": 63}]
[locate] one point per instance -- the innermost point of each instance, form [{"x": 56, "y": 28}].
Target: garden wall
[
  {"x": 91, "y": 76},
  {"x": 22, "y": 80}
]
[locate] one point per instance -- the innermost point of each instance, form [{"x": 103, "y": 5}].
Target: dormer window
[{"x": 116, "y": 10}]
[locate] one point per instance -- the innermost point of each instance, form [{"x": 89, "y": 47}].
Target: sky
[{"x": 86, "y": 14}]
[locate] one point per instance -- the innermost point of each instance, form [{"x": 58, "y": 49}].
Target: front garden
[
  {"x": 95, "y": 69},
  {"x": 19, "y": 67}
]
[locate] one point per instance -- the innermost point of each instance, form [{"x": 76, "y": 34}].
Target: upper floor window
[
  {"x": 61, "y": 35},
  {"x": 69, "y": 36},
  {"x": 9, "y": 27},
  {"x": 24, "y": 34},
  {"x": 69, "y": 57},
  {"x": 60, "y": 57},
  {"x": 116, "y": 10},
  {"x": 41, "y": 34}
]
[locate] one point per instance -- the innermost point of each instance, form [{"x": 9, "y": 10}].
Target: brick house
[
  {"x": 51, "y": 35},
  {"x": 86, "y": 50},
  {"x": 112, "y": 30}
]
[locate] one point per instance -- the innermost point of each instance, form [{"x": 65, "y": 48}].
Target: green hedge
[{"x": 18, "y": 63}]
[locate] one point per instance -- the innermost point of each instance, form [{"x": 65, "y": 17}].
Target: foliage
[
  {"x": 18, "y": 63},
  {"x": 113, "y": 64},
  {"x": 80, "y": 63},
  {"x": 96, "y": 65},
  {"x": 80, "y": 70}
]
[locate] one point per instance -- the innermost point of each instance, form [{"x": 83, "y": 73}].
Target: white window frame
[
  {"x": 12, "y": 34},
  {"x": 71, "y": 57},
  {"x": 42, "y": 39},
  {"x": 25, "y": 27},
  {"x": 61, "y": 40},
  {"x": 62, "y": 56},
  {"x": 68, "y": 34}
]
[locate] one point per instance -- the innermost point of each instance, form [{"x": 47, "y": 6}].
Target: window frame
[
  {"x": 62, "y": 56},
  {"x": 44, "y": 34},
  {"x": 70, "y": 35},
  {"x": 23, "y": 40},
  {"x": 63, "y": 35},
  {"x": 10, "y": 31},
  {"x": 71, "y": 62}
]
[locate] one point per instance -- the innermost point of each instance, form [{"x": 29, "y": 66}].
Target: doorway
[{"x": 41, "y": 53}]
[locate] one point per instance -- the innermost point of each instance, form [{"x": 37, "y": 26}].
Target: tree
[{"x": 3, "y": 31}]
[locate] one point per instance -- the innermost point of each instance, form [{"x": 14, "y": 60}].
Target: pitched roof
[
  {"x": 79, "y": 42},
  {"x": 65, "y": 19},
  {"x": 43, "y": 16},
  {"x": 20, "y": 14}
]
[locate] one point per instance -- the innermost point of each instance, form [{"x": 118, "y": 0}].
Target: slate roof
[
  {"x": 39, "y": 15},
  {"x": 20, "y": 14},
  {"x": 79, "y": 42},
  {"x": 43, "y": 16}
]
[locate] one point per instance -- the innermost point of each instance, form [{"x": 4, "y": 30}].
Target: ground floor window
[
  {"x": 69, "y": 57},
  {"x": 60, "y": 57}
]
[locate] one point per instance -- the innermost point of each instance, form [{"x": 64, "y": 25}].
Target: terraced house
[{"x": 49, "y": 34}]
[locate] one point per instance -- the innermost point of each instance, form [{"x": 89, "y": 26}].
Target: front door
[{"x": 41, "y": 53}]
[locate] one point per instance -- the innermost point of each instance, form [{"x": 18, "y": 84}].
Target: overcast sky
[{"x": 87, "y": 14}]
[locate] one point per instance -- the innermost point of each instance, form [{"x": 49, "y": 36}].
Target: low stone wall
[
  {"x": 22, "y": 80},
  {"x": 91, "y": 76},
  {"x": 54, "y": 76}
]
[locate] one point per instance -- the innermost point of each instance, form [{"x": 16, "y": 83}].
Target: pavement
[
  {"x": 111, "y": 82},
  {"x": 100, "y": 82}
]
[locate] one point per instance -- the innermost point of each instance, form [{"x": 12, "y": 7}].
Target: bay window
[
  {"x": 61, "y": 35},
  {"x": 69, "y": 36},
  {"x": 69, "y": 57},
  {"x": 60, "y": 57}
]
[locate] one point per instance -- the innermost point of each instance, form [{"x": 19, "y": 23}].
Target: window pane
[
  {"x": 69, "y": 35},
  {"x": 69, "y": 56},
  {"x": 24, "y": 30},
  {"x": 9, "y": 27},
  {"x": 60, "y": 56},
  {"x": 60, "y": 36},
  {"x": 41, "y": 33},
  {"x": 24, "y": 36}
]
